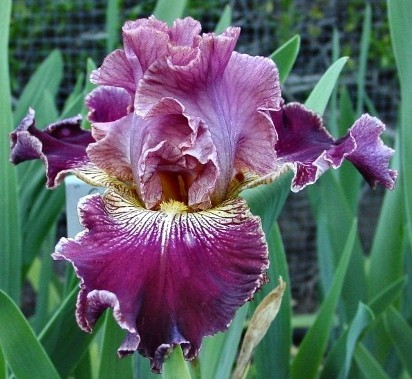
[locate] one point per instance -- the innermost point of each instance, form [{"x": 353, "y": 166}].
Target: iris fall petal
[
  {"x": 171, "y": 277},
  {"x": 61, "y": 146}
]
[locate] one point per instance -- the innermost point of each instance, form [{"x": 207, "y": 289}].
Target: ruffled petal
[
  {"x": 304, "y": 143},
  {"x": 185, "y": 32},
  {"x": 170, "y": 276},
  {"x": 61, "y": 146},
  {"x": 174, "y": 157},
  {"x": 124, "y": 68},
  {"x": 231, "y": 93},
  {"x": 115, "y": 71},
  {"x": 166, "y": 156},
  {"x": 111, "y": 151},
  {"x": 141, "y": 54},
  {"x": 371, "y": 156},
  {"x": 107, "y": 104}
]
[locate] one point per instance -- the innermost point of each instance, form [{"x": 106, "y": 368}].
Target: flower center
[
  {"x": 173, "y": 207},
  {"x": 175, "y": 185}
]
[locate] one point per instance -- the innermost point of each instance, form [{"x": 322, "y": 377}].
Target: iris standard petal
[
  {"x": 115, "y": 71},
  {"x": 124, "y": 68},
  {"x": 171, "y": 277},
  {"x": 139, "y": 52},
  {"x": 107, "y": 104},
  {"x": 231, "y": 93},
  {"x": 185, "y": 32},
  {"x": 304, "y": 143},
  {"x": 111, "y": 151},
  {"x": 61, "y": 146}
]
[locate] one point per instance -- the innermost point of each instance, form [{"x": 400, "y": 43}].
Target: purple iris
[{"x": 180, "y": 125}]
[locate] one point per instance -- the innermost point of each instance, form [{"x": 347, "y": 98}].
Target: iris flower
[{"x": 181, "y": 124}]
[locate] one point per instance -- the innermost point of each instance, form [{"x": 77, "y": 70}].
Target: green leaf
[
  {"x": 23, "y": 352},
  {"x": 332, "y": 201},
  {"x": 339, "y": 360},
  {"x": 326, "y": 260},
  {"x": 310, "y": 353},
  {"x": 361, "y": 321},
  {"x": 10, "y": 236},
  {"x": 141, "y": 368},
  {"x": 88, "y": 87},
  {"x": 363, "y": 59},
  {"x": 285, "y": 57},
  {"x": 84, "y": 368},
  {"x": 225, "y": 20},
  {"x": 378, "y": 339},
  {"x": 387, "y": 252},
  {"x": 110, "y": 365},
  {"x": 112, "y": 24},
  {"x": 74, "y": 103},
  {"x": 46, "y": 111},
  {"x": 218, "y": 353},
  {"x": 378, "y": 304},
  {"x": 3, "y": 366},
  {"x": 169, "y": 10},
  {"x": 319, "y": 97},
  {"x": 333, "y": 110},
  {"x": 274, "y": 350},
  {"x": 176, "y": 367},
  {"x": 37, "y": 224},
  {"x": 41, "y": 315},
  {"x": 388, "y": 296},
  {"x": 62, "y": 334},
  {"x": 401, "y": 30},
  {"x": 273, "y": 194},
  {"x": 46, "y": 77},
  {"x": 401, "y": 334},
  {"x": 368, "y": 365},
  {"x": 279, "y": 336}
]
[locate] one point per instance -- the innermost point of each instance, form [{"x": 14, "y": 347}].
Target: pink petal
[
  {"x": 185, "y": 32},
  {"x": 171, "y": 277},
  {"x": 111, "y": 151},
  {"x": 305, "y": 143},
  {"x": 124, "y": 68},
  {"x": 108, "y": 104},
  {"x": 139, "y": 52},
  {"x": 61, "y": 146},
  {"x": 231, "y": 93},
  {"x": 115, "y": 71},
  {"x": 174, "y": 157},
  {"x": 371, "y": 156}
]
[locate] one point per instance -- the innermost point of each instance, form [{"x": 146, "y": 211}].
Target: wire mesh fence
[{"x": 77, "y": 29}]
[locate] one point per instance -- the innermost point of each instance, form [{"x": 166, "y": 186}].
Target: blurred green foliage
[{"x": 31, "y": 22}]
